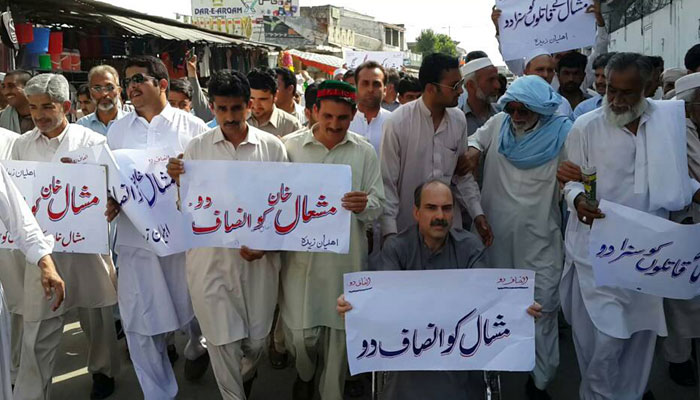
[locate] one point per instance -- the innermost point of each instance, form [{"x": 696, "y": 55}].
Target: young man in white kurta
[
  {"x": 153, "y": 295},
  {"x": 416, "y": 149},
  {"x": 234, "y": 299},
  {"x": 88, "y": 277},
  {"x": 614, "y": 330}
]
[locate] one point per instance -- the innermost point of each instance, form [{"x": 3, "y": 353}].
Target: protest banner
[
  {"x": 266, "y": 205},
  {"x": 472, "y": 319},
  {"x": 68, "y": 202},
  {"x": 552, "y": 25},
  {"x": 388, "y": 59},
  {"x": 634, "y": 250}
]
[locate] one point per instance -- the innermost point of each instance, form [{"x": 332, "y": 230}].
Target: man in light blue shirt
[
  {"x": 106, "y": 93},
  {"x": 596, "y": 101}
]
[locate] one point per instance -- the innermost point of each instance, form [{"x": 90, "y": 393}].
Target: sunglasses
[
  {"x": 455, "y": 87},
  {"x": 512, "y": 110},
  {"x": 100, "y": 89},
  {"x": 138, "y": 79}
]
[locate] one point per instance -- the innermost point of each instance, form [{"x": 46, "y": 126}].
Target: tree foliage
[{"x": 431, "y": 42}]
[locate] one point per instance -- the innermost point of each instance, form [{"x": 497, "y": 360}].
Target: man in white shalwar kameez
[
  {"x": 89, "y": 278},
  {"x": 683, "y": 316},
  {"x": 17, "y": 217},
  {"x": 153, "y": 295},
  {"x": 634, "y": 145},
  {"x": 234, "y": 292},
  {"x": 520, "y": 196},
  {"x": 12, "y": 272}
]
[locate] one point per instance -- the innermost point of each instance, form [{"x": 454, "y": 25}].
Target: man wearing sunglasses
[
  {"x": 106, "y": 93},
  {"x": 153, "y": 124},
  {"x": 523, "y": 146},
  {"x": 422, "y": 140}
]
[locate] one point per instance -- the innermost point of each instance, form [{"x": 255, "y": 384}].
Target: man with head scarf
[
  {"x": 683, "y": 316},
  {"x": 520, "y": 196}
]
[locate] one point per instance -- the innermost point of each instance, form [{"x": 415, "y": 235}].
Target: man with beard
[
  {"x": 106, "y": 93},
  {"x": 422, "y": 141},
  {"x": 370, "y": 116},
  {"x": 596, "y": 101},
  {"x": 482, "y": 85},
  {"x": 523, "y": 147},
  {"x": 614, "y": 330},
  {"x": 571, "y": 71},
  {"x": 683, "y": 316},
  {"x": 234, "y": 292},
  {"x": 16, "y": 117},
  {"x": 153, "y": 295},
  {"x": 310, "y": 282},
  {"x": 264, "y": 114},
  {"x": 88, "y": 277}
]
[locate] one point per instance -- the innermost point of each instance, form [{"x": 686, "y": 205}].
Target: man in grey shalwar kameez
[{"x": 431, "y": 244}]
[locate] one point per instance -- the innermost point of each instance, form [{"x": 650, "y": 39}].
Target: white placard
[
  {"x": 139, "y": 182},
  {"x": 68, "y": 202},
  {"x": 473, "y": 319},
  {"x": 148, "y": 197},
  {"x": 635, "y": 250},
  {"x": 552, "y": 25},
  {"x": 388, "y": 59},
  {"x": 266, "y": 205}
]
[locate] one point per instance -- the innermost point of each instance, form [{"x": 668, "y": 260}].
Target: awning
[
  {"x": 325, "y": 63},
  {"x": 90, "y": 13}
]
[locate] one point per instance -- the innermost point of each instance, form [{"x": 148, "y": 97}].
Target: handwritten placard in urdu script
[
  {"x": 67, "y": 200},
  {"x": 638, "y": 251},
  {"x": 553, "y": 25},
  {"x": 388, "y": 59},
  {"x": 266, "y": 205},
  {"x": 147, "y": 195},
  {"x": 472, "y": 319}
]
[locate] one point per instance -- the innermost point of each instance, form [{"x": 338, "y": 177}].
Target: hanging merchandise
[
  {"x": 40, "y": 44},
  {"x": 7, "y": 31},
  {"x": 55, "y": 43},
  {"x": 25, "y": 33}
]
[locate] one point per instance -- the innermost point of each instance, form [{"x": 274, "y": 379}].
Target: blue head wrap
[{"x": 544, "y": 144}]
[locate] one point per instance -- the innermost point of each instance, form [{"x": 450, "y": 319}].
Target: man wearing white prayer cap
[
  {"x": 339, "y": 73},
  {"x": 482, "y": 86},
  {"x": 541, "y": 63},
  {"x": 683, "y": 316},
  {"x": 669, "y": 78}
]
